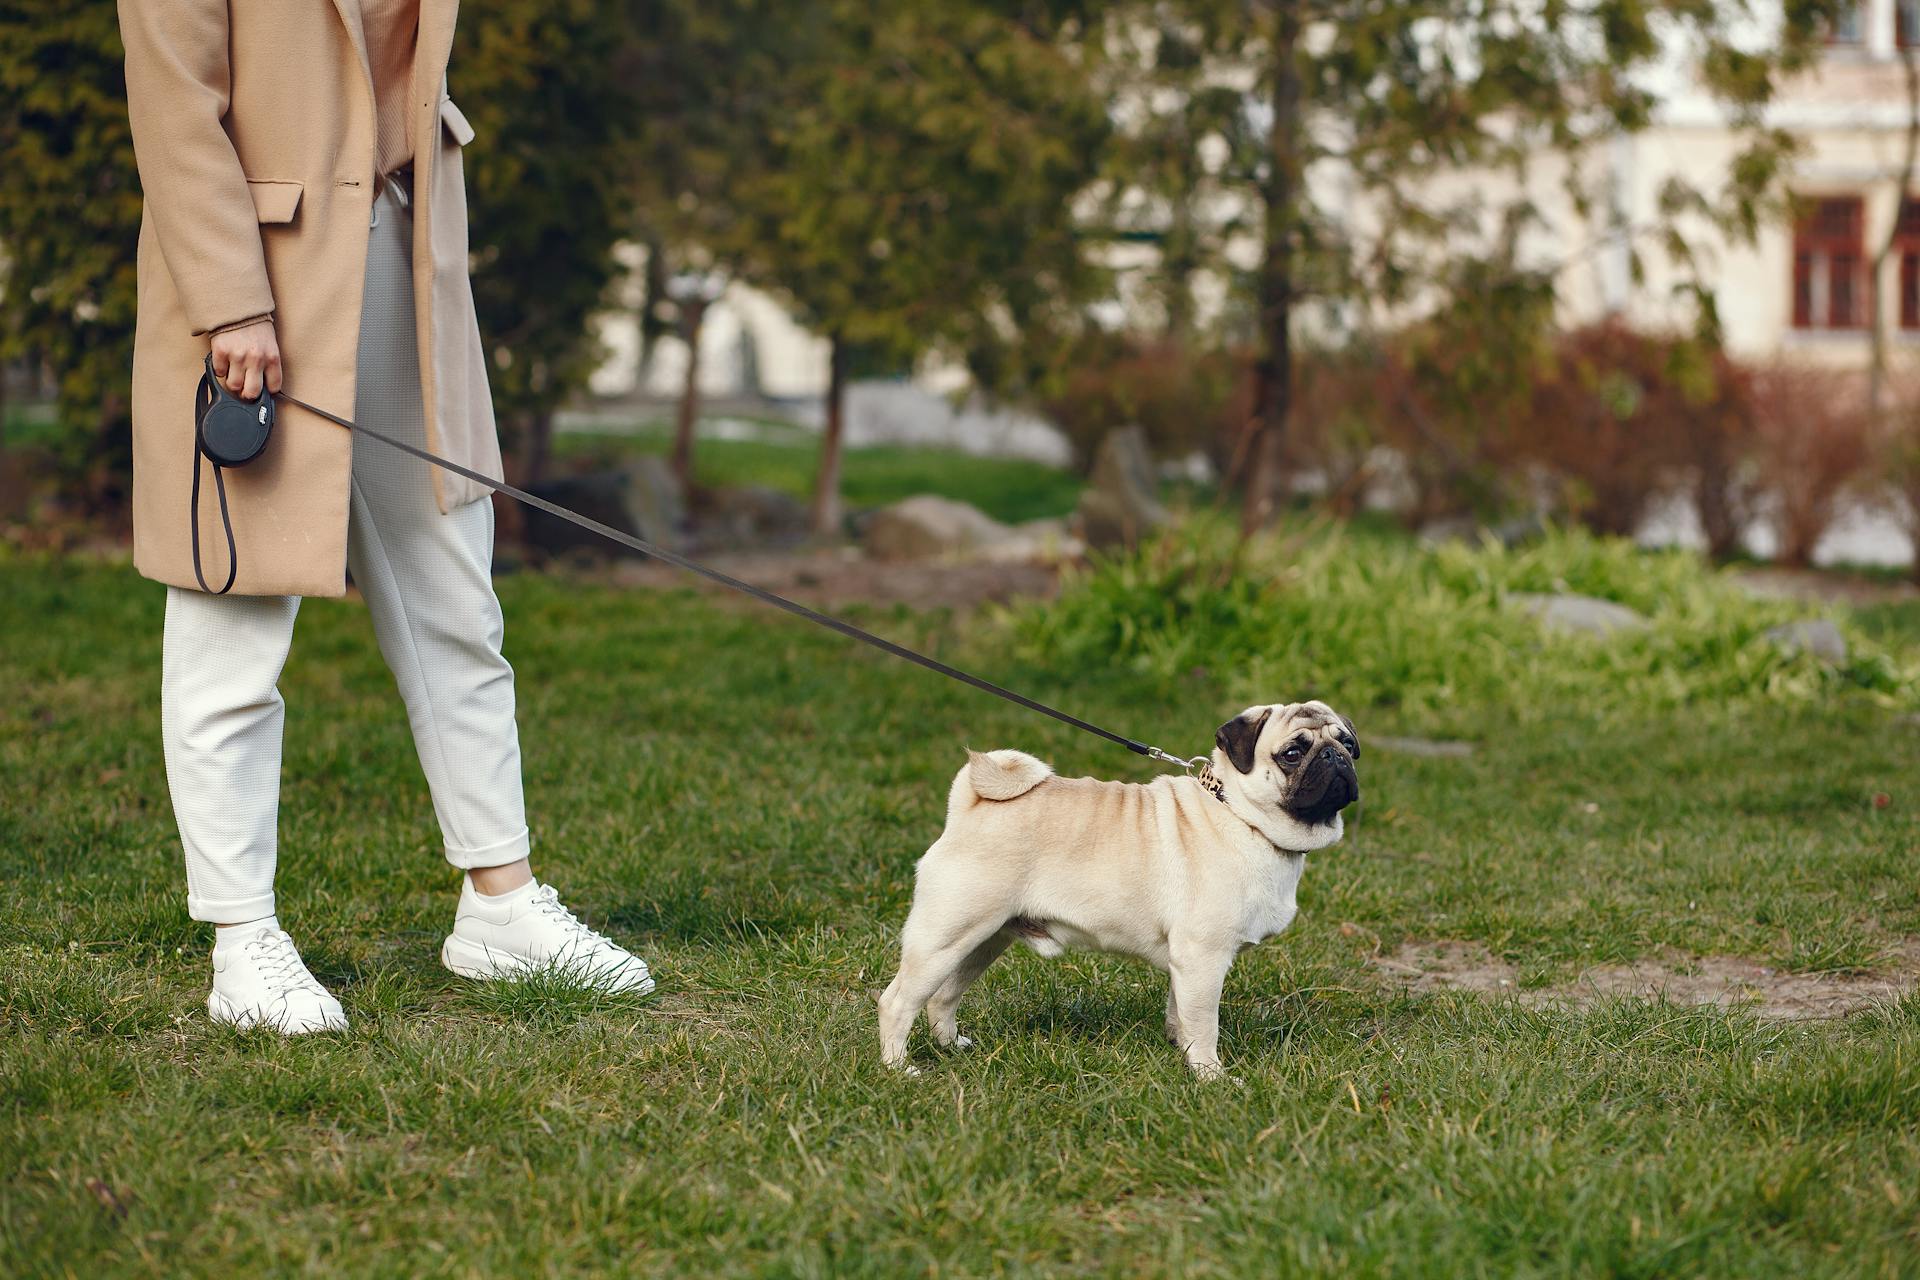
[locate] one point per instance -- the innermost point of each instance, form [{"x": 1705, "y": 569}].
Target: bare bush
[{"x": 1813, "y": 442}]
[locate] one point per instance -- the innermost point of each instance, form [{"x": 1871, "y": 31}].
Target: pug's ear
[{"x": 1238, "y": 736}]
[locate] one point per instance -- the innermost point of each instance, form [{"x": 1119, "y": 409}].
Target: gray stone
[
  {"x": 1123, "y": 504},
  {"x": 926, "y": 526},
  {"x": 1817, "y": 636},
  {"x": 1445, "y": 529},
  {"x": 641, "y": 498},
  {"x": 1516, "y": 532},
  {"x": 1427, "y": 747},
  {"x": 751, "y": 516},
  {"x": 1035, "y": 542},
  {"x": 1579, "y": 615}
]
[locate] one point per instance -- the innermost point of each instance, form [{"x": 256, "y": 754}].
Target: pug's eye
[{"x": 1293, "y": 752}]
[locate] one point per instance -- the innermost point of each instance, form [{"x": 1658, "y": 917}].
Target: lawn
[
  {"x": 785, "y": 458},
  {"x": 752, "y": 823}
]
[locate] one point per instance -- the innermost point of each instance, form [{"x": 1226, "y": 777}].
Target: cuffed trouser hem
[
  {"x": 229, "y": 910},
  {"x": 509, "y": 850}
]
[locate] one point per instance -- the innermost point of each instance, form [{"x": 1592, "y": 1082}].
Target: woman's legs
[
  {"x": 221, "y": 717},
  {"x": 428, "y": 583},
  {"x": 220, "y": 723}
]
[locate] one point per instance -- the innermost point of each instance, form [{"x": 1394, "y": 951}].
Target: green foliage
[
  {"x": 542, "y": 82},
  {"x": 1397, "y": 98},
  {"x": 69, "y": 223},
  {"x": 1433, "y": 632},
  {"x": 922, "y": 161}
]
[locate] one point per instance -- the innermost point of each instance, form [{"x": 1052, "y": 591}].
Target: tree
[
  {"x": 69, "y": 224},
  {"x": 707, "y": 75},
  {"x": 546, "y": 98},
  {"x": 923, "y": 159},
  {"x": 1330, "y": 120},
  {"x": 551, "y": 108},
  {"x": 1877, "y": 272}
]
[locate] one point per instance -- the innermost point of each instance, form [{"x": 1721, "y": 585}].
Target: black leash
[{"x": 726, "y": 580}]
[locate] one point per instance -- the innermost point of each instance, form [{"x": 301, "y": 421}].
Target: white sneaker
[
  {"x": 529, "y": 931},
  {"x": 262, "y": 982}
]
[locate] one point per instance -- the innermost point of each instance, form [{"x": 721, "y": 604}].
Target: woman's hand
[{"x": 247, "y": 358}]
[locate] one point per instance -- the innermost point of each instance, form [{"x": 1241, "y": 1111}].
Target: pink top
[{"x": 392, "y": 28}]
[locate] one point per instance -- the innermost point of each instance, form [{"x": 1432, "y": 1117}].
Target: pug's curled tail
[{"x": 996, "y": 775}]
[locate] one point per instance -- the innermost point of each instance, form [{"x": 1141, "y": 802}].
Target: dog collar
[{"x": 1210, "y": 781}]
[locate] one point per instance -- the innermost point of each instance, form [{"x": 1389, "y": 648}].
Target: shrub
[
  {"x": 1813, "y": 440},
  {"x": 1381, "y": 622},
  {"x": 1186, "y": 398},
  {"x": 69, "y": 221},
  {"x": 1606, "y": 417},
  {"x": 1343, "y": 399},
  {"x": 1899, "y": 460}
]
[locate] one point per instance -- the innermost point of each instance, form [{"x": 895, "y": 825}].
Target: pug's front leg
[{"x": 1199, "y": 972}]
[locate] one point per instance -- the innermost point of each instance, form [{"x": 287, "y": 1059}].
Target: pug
[{"x": 1182, "y": 872}]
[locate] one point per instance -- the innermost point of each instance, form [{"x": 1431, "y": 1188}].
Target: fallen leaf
[{"x": 109, "y": 1199}]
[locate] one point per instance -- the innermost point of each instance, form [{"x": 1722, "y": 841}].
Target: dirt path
[
  {"x": 833, "y": 580},
  {"x": 1727, "y": 982}
]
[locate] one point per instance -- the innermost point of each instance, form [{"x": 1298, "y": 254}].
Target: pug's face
[{"x": 1294, "y": 758}]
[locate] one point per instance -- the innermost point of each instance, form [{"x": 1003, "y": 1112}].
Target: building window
[
  {"x": 1907, "y": 250},
  {"x": 1828, "y": 260},
  {"x": 1906, "y": 23}
]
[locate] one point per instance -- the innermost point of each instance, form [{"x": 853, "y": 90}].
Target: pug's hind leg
[
  {"x": 940, "y": 1009},
  {"x": 931, "y": 952}
]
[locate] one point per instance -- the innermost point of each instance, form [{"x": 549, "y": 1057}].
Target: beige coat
[{"x": 253, "y": 125}]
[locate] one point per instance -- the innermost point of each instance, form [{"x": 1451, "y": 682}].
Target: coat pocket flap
[
  {"x": 275, "y": 201},
  {"x": 456, "y": 122}
]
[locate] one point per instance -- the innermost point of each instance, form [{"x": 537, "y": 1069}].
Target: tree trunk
[
  {"x": 1877, "y": 365},
  {"x": 825, "y": 516},
  {"x": 653, "y": 294},
  {"x": 693, "y": 315},
  {"x": 536, "y": 447},
  {"x": 1275, "y": 371}
]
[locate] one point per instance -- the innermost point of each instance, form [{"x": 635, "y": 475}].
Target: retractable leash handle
[
  {"x": 747, "y": 588},
  {"x": 227, "y": 432}
]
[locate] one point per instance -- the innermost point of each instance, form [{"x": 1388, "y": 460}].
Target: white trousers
[{"x": 428, "y": 583}]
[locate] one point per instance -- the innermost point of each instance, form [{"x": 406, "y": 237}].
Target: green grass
[
  {"x": 1005, "y": 488},
  {"x": 29, "y": 425},
  {"x": 751, "y": 823}
]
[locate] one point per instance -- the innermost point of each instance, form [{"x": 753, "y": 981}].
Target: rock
[
  {"x": 1123, "y": 505},
  {"x": 752, "y": 516},
  {"x": 1579, "y": 615},
  {"x": 925, "y": 526},
  {"x": 641, "y": 498},
  {"x": 1427, "y": 747},
  {"x": 1520, "y": 531},
  {"x": 1444, "y": 529},
  {"x": 1817, "y": 636},
  {"x": 1035, "y": 542},
  {"x": 1515, "y": 532}
]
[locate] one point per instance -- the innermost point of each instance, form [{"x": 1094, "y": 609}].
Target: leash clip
[{"x": 1191, "y": 766}]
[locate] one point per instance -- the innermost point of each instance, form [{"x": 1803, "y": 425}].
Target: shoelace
[
  {"x": 280, "y": 964},
  {"x": 546, "y": 899}
]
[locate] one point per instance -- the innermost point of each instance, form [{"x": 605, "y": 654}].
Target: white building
[{"x": 1801, "y": 288}]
